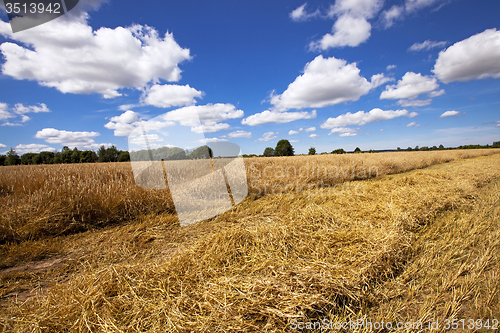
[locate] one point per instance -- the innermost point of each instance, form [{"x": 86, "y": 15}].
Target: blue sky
[{"x": 372, "y": 74}]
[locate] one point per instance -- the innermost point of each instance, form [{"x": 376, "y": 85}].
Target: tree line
[
  {"x": 66, "y": 156},
  {"x": 112, "y": 154}
]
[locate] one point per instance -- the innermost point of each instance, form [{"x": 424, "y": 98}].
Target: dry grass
[{"x": 304, "y": 256}]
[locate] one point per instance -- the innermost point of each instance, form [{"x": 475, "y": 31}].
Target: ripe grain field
[{"x": 84, "y": 249}]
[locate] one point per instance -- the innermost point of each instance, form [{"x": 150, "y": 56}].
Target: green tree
[
  {"x": 496, "y": 144},
  {"x": 28, "y": 158},
  {"x": 124, "y": 156},
  {"x": 268, "y": 152},
  {"x": 12, "y": 158},
  {"x": 88, "y": 156},
  {"x": 46, "y": 157},
  {"x": 441, "y": 147},
  {"x": 2, "y": 159},
  {"x": 66, "y": 155},
  {"x": 75, "y": 156},
  {"x": 357, "y": 150},
  {"x": 339, "y": 151},
  {"x": 312, "y": 151},
  {"x": 108, "y": 155},
  {"x": 203, "y": 152},
  {"x": 284, "y": 148}
]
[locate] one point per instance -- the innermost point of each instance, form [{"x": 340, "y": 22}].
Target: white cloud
[
  {"x": 11, "y": 124},
  {"x": 268, "y": 136},
  {"x": 413, "y": 124},
  {"x": 477, "y": 57},
  {"x": 325, "y": 82},
  {"x": 146, "y": 140},
  {"x": 277, "y": 117},
  {"x": 125, "y": 123},
  {"x": 427, "y": 45},
  {"x": 410, "y": 86},
  {"x": 209, "y": 140},
  {"x": 82, "y": 140},
  {"x": 344, "y": 131},
  {"x": 307, "y": 130},
  {"x": 314, "y": 136},
  {"x": 347, "y": 31},
  {"x": 300, "y": 14},
  {"x": 165, "y": 96},
  {"x": 498, "y": 124},
  {"x": 390, "y": 16},
  {"x": 240, "y": 134},
  {"x": 209, "y": 115},
  {"x": 352, "y": 27},
  {"x": 4, "y": 113},
  {"x": 437, "y": 93},
  {"x": 210, "y": 128},
  {"x": 21, "y": 109},
  {"x": 73, "y": 58},
  {"x": 294, "y": 141},
  {"x": 450, "y": 114},
  {"x": 2, "y": 145},
  {"x": 391, "y": 67},
  {"x": 33, "y": 148},
  {"x": 347, "y": 134},
  {"x": 361, "y": 118},
  {"x": 413, "y": 5},
  {"x": 414, "y": 102}
]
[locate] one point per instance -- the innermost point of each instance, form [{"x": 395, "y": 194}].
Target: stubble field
[{"x": 407, "y": 236}]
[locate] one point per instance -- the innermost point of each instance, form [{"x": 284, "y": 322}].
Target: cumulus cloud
[
  {"x": 210, "y": 128},
  {"x": 389, "y": 67},
  {"x": 398, "y": 12},
  {"x": 325, "y": 82},
  {"x": 351, "y": 27},
  {"x": 240, "y": 134},
  {"x": 210, "y": 116},
  {"x": 2, "y": 145},
  {"x": 4, "y": 113},
  {"x": 300, "y": 14},
  {"x": 33, "y": 148},
  {"x": 344, "y": 131},
  {"x": 413, "y": 124},
  {"x": 168, "y": 95},
  {"x": 81, "y": 140},
  {"x": 268, "y": 136},
  {"x": 411, "y": 86},
  {"x": 277, "y": 117},
  {"x": 306, "y": 130},
  {"x": 361, "y": 118},
  {"x": 427, "y": 45},
  {"x": 477, "y": 57},
  {"x": 19, "y": 110},
  {"x": 70, "y": 56},
  {"x": 390, "y": 16},
  {"x": 314, "y": 136},
  {"x": 414, "y": 5},
  {"x": 125, "y": 123},
  {"x": 450, "y": 114}
]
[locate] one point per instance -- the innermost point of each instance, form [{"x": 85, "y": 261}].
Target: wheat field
[{"x": 84, "y": 249}]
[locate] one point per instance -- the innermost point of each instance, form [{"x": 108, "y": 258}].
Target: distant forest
[{"x": 112, "y": 154}]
